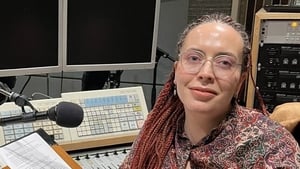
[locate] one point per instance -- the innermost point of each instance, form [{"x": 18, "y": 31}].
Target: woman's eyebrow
[{"x": 228, "y": 54}]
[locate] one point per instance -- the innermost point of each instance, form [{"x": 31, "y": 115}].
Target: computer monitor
[
  {"x": 29, "y": 37},
  {"x": 110, "y": 35}
]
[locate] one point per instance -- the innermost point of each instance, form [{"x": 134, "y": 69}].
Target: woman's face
[{"x": 210, "y": 89}]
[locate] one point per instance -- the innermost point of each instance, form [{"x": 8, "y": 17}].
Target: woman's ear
[{"x": 175, "y": 66}]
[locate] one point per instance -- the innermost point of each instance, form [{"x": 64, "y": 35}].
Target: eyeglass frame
[{"x": 213, "y": 63}]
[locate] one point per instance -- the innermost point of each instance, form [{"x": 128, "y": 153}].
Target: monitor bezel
[
  {"x": 43, "y": 69},
  {"x": 113, "y": 66}
]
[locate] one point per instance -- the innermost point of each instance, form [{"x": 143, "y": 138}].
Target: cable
[
  {"x": 25, "y": 84},
  {"x": 259, "y": 97}
]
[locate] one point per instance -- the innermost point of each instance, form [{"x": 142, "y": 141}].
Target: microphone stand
[
  {"x": 159, "y": 53},
  {"x": 20, "y": 100},
  {"x": 114, "y": 79}
]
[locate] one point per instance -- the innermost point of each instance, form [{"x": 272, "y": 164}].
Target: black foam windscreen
[{"x": 66, "y": 114}]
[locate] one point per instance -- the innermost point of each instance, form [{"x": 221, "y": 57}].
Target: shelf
[{"x": 261, "y": 15}]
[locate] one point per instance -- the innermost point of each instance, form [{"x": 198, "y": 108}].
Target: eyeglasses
[{"x": 223, "y": 65}]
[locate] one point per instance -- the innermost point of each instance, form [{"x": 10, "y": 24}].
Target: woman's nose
[{"x": 206, "y": 72}]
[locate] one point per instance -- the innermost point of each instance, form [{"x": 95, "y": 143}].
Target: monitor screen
[
  {"x": 29, "y": 37},
  {"x": 110, "y": 35}
]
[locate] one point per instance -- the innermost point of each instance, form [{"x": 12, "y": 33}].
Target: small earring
[{"x": 175, "y": 91}]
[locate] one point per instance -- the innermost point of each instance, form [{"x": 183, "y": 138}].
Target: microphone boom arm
[
  {"x": 24, "y": 117},
  {"x": 20, "y": 100},
  {"x": 55, "y": 113}
]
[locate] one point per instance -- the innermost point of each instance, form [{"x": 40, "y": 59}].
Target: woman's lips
[{"x": 203, "y": 94}]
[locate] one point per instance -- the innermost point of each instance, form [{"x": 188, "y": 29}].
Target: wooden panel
[{"x": 259, "y": 17}]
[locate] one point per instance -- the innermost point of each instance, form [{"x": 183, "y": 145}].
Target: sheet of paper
[
  {"x": 2, "y": 164},
  {"x": 32, "y": 152}
]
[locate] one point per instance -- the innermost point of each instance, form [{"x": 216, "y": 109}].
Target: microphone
[
  {"x": 65, "y": 114},
  {"x": 162, "y": 53}
]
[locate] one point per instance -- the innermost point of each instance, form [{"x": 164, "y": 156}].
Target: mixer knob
[{"x": 97, "y": 155}]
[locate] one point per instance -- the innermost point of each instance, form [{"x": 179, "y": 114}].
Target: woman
[{"x": 196, "y": 121}]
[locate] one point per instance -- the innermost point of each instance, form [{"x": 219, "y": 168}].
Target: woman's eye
[
  {"x": 194, "y": 58},
  {"x": 225, "y": 62}
]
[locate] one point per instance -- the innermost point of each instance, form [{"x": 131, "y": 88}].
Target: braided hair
[{"x": 158, "y": 132}]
